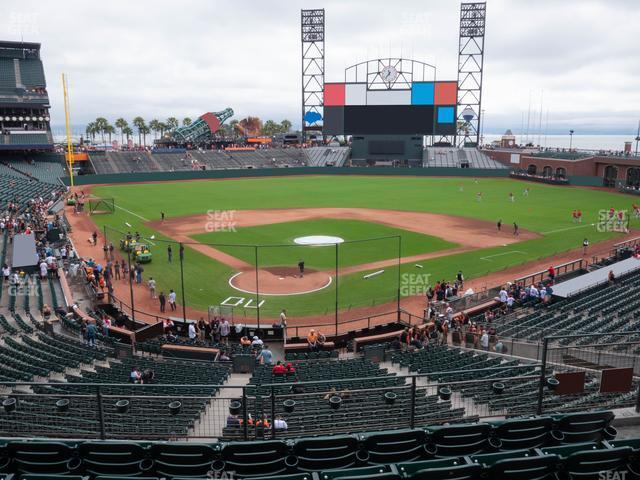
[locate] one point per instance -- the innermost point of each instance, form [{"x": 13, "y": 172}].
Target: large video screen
[{"x": 428, "y": 108}]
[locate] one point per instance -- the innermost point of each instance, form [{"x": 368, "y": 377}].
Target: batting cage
[{"x": 99, "y": 205}]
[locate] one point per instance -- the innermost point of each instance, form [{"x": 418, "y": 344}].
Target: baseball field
[{"x": 406, "y": 231}]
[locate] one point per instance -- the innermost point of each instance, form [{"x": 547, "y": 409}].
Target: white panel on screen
[
  {"x": 389, "y": 97},
  {"x": 355, "y": 94},
  {"x": 515, "y": 158}
]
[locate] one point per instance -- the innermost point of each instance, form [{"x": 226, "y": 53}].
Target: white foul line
[
  {"x": 499, "y": 254},
  {"x": 132, "y": 213},
  {"x": 569, "y": 228}
]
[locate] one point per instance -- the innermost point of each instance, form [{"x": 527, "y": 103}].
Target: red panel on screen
[
  {"x": 446, "y": 93},
  {"x": 334, "y": 94},
  {"x": 616, "y": 380}
]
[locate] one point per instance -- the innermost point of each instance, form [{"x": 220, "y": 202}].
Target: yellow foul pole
[{"x": 68, "y": 128}]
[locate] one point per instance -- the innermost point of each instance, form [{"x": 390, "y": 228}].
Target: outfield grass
[
  {"x": 547, "y": 210},
  {"x": 365, "y": 242}
]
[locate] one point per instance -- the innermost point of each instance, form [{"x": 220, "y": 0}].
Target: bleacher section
[
  {"x": 126, "y": 162},
  {"x": 602, "y": 309},
  {"x": 22, "y": 188},
  {"x": 361, "y": 385},
  {"x": 45, "y": 167},
  {"x": 456, "y": 157},
  {"x": 538, "y": 448},
  {"x": 327, "y": 156}
]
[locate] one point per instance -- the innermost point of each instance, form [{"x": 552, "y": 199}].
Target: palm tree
[
  {"x": 154, "y": 125},
  {"x": 109, "y": 130},
  {"x": 171, "y": 123},
  {"x": 128, "y": 132},
  {"x": 270, "y": 128},
  {"x": 121, "y": 124},
  {"x": 139, "y": 123},
  {"x": 285, "y": 125},
  {"x": 145, "y": 131},
  {"x": 101, "y": 124},
  {"x": 90, "y": 130},
  {"x": 186, "y": 121},
  {"x": 162, "y": 126}
]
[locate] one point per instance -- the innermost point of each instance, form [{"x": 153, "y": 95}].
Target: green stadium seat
[
  {"x": 585, "y": 427},
  {"x": 446, "y": 469},
  {"x": 518, "y": 465},
  {"x": 184, "y": 459},
  {"x": 458, "y": 440},
  {"x": 363, "y": 473},
  {"x": 55, "y": 458},
  {"x": 48, "y": 476},
  {"x": 115, "y": 458},
  {"x": 324, "y": 453},
  {"x": 595, "y": 464},
  {"x": 523, "y": 433},
  {"x": 252, "y": 459},
  {"x": 395, "y": 446},
  {"x": 292, "y": 476}
]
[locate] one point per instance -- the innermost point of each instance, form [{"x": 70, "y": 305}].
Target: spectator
[
  {"x": 135, "y": 376},
  {"x": 163, "y": 301},
  {"x": 91, "y": 334},
  {"x": 279, "y": 423},
  {"x": 611, "y": 277},
  {"x": 225, "y": 330},
  {"x": 312, "y": 340},
  {"x": 192, "y": 332},
  {"x": 484, "y": 340},
  {"x": 167, "y": 326},
  {"x": 265, "y": 356},
  {"x": 256, "y": 342},
  {"x": 279, "y": 369},
  {"x": 172, "y": 300},
  {"x": 152, "y": 287}
]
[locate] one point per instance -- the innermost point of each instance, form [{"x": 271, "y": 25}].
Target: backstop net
[{"x": 99, "y": 205}]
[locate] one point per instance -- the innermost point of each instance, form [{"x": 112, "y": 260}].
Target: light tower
[
  {"x": 312, "y": 24},
  {"x": 470, "y": 66}
]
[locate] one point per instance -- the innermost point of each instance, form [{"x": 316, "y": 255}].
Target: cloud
[{"x": 159, "y": 59}]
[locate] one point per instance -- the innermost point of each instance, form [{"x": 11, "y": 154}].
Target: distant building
[{"x": 508, "y": 140}]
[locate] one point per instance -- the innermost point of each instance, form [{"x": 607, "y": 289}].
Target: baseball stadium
[{"x": 377, "y": 294}]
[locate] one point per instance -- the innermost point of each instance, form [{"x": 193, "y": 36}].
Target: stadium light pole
[
  {"x": 336, "y": 245},
  {"x": 184, "y": 307},
  {"x": 570, "y": 139},
  {"x": 133, "y": 309}
]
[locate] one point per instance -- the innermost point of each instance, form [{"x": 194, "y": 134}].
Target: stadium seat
[
  {"x": 183, "y": 459},
  {"x": 447, "y": 469},
  {"x": 592, "y": 464},
  {"x": 293, "y": 476},
  {"x": 55, "y": 458},
  {"x": 458, "y": 440},
  {"x": 251, "y": 459},
  {"x": 115, "y": 458},
  {"x": 518, "y": 465},
  {"x": 395, "y": 446},
  {"x": 363, "y": 473},
  {"x": 585, "y": 427},
  {"x": 324, "y": 453},
  {"x": 523, "y": 433}
]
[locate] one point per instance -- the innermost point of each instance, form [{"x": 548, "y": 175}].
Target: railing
[
  {"x": 631, "y": 243},
  {"x": 393, "y": 316},
  {"x": 127, "y": 411},
  {"x": 563, "y": 269}
]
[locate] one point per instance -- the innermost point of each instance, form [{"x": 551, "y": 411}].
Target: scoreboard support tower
[
  {"x": 470, "y": 65},
  {"x": 312, "y": 31}
]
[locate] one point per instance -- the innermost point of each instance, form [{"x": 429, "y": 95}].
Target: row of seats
[{"x": 512, "y": 439}]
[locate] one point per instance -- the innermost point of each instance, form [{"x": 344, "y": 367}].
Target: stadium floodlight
[
  {"x": 40, "y": 119},
  {"x": 13, "y": 119},
  {"x": 47, "y": 119},
  {"x": 21, "y": 119}
]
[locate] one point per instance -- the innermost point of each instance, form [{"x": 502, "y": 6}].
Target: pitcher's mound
[{"x": 280, "y": 281}]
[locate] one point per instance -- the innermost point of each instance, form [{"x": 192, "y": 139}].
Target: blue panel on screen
[
  {"x": 422, "y": 93},
  {"x": 445, "y": 114}
]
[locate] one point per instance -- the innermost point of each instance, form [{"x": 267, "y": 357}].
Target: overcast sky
[{"x": 159, "y": 59}]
